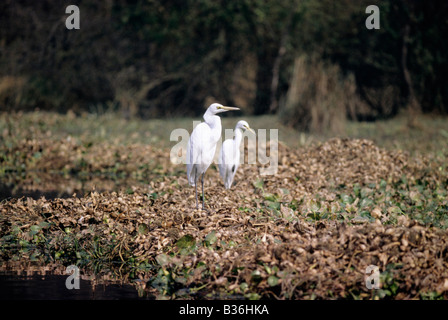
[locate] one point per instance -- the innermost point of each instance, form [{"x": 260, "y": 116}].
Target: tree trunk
[
  {"x": 266, "y": 60},
  {"x": 413, "y": 106},
  {"x": 276, "y": 75}
]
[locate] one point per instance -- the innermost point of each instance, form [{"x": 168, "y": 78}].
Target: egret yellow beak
[
  {"x": 251, "y": 130},
  {"x": 228, "y": 108}
]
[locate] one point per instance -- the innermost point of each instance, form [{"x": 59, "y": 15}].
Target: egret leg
[
  {"x": 203, "y": 190},
  {"x": 196, "y": 191}
]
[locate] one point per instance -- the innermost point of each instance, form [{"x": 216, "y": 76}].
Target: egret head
[
  {"x": 243, "y": 125},
  {"x": 216, "y": 108}
]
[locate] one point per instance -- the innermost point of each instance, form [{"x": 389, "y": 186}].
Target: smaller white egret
[
  {"x": 202, "y": 145},
  {"x": 230, "y": 154}
]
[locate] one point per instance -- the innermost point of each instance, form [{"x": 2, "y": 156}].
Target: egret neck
[
  {"x": 238, "y": 137},
  {"x": 214, "y": 122}
]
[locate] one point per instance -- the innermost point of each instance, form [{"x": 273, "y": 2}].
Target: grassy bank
[{"x": 335, "y": 206}]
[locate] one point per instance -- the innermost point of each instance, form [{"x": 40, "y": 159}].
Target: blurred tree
[
  {"x": 269, "y": 26},
  {"x": 167, "y": 57},
  {"x": 394, "y": 65}
]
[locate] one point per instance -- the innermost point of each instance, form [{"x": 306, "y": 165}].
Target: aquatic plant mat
[{"x": 307, "y": 232}]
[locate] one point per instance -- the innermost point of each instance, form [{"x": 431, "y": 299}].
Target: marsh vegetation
[{"x": 99, "y": 191}]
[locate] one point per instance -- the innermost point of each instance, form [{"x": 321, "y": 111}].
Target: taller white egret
[
  {"x": 202, "y": 145},
  {"x": 229, "y": 157}
]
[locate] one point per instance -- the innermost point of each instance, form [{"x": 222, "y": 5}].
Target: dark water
[
  {"x": 53, "y": 186},
  {"x": 17, "y": 286},
  {"x": 52, "y": 287}
]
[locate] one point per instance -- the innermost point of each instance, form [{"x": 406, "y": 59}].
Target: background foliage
[{"x": 155, "y": 58}]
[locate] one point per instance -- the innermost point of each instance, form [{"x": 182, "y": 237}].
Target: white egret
[
  {"x": 230, "y": 154},
  {"x": 202, "y": 146}
]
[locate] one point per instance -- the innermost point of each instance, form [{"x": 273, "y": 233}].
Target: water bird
[
  {"x": 230, "y": 154},
  {"x": 202, "y": 145}
]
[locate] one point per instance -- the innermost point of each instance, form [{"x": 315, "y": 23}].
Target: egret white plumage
[
  {"x": 230, "y": 154},
  {"x": 202, "y": 145}
]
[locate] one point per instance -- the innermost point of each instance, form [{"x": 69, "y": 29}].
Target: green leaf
[
  {"x": 153, "y": 195},
  {"x": 256, "y": 275},
  {"x": 294, "y": 204},
  {"x": 272, "y": 281},
  {"x": 34, "y": 230},
  {"x": 34, "y": 256},
  {"x": 273, "y": 205},
  {"x": 44, "y": 224},
  {"x": 258, "y": 184},
  {"x": 244, "y": 286},
  {"x": 356, "y": 189},
  {"x": 143, "y": 228},
  {"x": 365, "y": 202},
  {"x": 23, "y": 243},
  {"x": 211, "y": 238},
  {"x": 253, "y": 296},
  {"x": 315, "y": 206},
  {"x": 37, "y": 155},
  {"x": 365, "y": 192},
  {"x": 270, "y": 197},
  {"x": 186, "y": 242},
  {"x": 268, "y": 269},
  {"x": 162, "y": 259},
  {"x": 346, "y": 198},
  {"x": 394, "y": 210}
]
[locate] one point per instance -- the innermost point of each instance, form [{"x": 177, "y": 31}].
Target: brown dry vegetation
[{"x": 307, "y": 232}]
